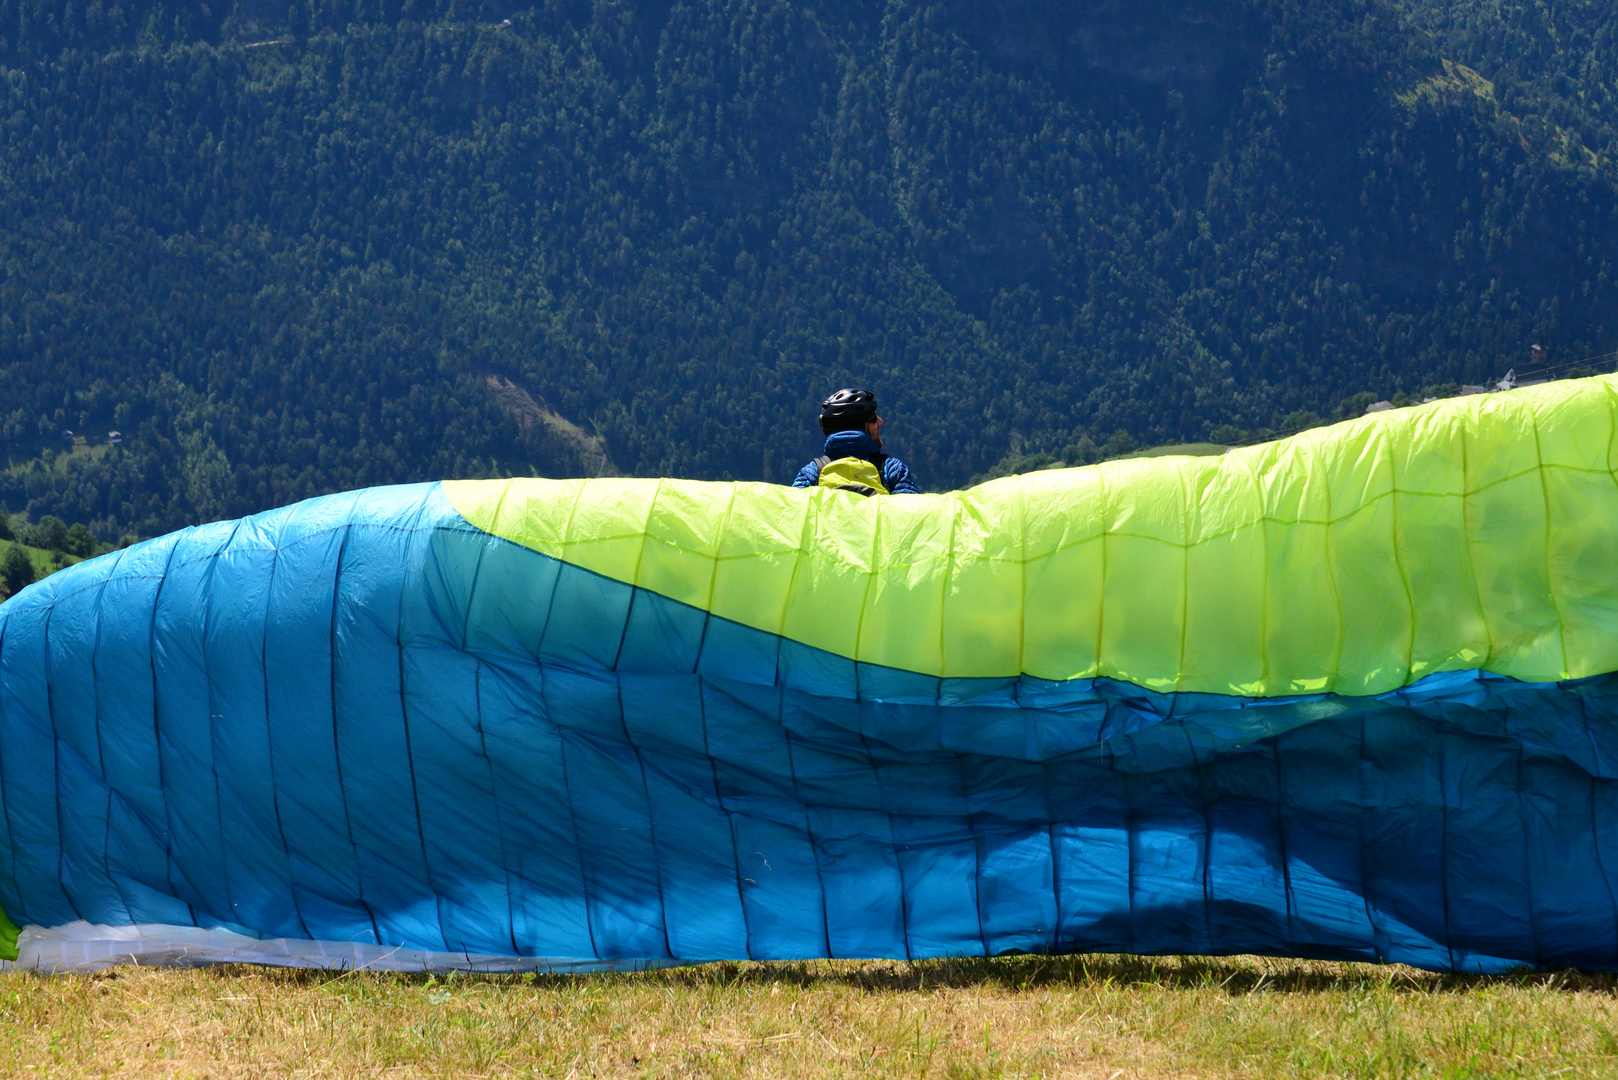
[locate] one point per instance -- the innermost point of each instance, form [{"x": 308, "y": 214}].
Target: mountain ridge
[{"x": 288, "y": 248}]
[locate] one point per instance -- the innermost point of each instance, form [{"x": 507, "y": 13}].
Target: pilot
[{"x": 854, "y": 460}]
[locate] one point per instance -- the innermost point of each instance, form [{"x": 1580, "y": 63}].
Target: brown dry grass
[{"x": 1105, "y": 1017}]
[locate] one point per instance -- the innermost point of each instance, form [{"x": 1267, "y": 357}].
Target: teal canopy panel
[{"x": 393, "y": 727}]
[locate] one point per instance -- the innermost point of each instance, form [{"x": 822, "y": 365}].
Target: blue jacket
[{"x": 895, "y": 473}]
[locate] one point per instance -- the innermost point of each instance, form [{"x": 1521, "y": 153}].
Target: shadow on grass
[{"x": 1235, "y": 976}]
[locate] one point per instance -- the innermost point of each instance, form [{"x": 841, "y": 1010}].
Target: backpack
[{"x": 851, "y": 474}]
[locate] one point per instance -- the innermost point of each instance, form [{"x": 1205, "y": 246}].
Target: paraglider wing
[{"x": 1348, "y": 695}]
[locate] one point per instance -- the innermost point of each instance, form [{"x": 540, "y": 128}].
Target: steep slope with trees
[{"x": 292, "y": 247}]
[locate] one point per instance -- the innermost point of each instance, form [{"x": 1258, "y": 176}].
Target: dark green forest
[{"x": 285, "y": 248}]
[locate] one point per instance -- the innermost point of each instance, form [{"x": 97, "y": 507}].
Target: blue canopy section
[{"x": 361, "y": 719}]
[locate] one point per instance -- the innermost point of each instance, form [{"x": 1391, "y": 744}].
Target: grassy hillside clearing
[
  {"x": 45, "y": 562},
  {"x": 1200, "y": 449},
  {"x": 1105, "y": 1017}
]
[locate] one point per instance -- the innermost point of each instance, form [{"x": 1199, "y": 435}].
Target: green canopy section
[{"x": 1470, "y": 533}]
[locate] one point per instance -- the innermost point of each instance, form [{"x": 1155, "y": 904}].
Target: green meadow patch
[
  {"x": 45, "y": 562},
  {"x": 1105, "y": 1017}
]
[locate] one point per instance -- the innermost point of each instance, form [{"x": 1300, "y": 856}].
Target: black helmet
[{"x": 847, "y": 410}]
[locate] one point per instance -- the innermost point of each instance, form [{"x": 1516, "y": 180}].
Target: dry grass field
[{"x": 1105, "y": 1017}]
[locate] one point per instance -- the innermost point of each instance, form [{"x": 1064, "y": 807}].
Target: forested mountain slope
[{"x": 287, "y": 248}]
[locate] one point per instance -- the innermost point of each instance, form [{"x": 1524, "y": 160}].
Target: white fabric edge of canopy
[{"x": 82, "y": 947}]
